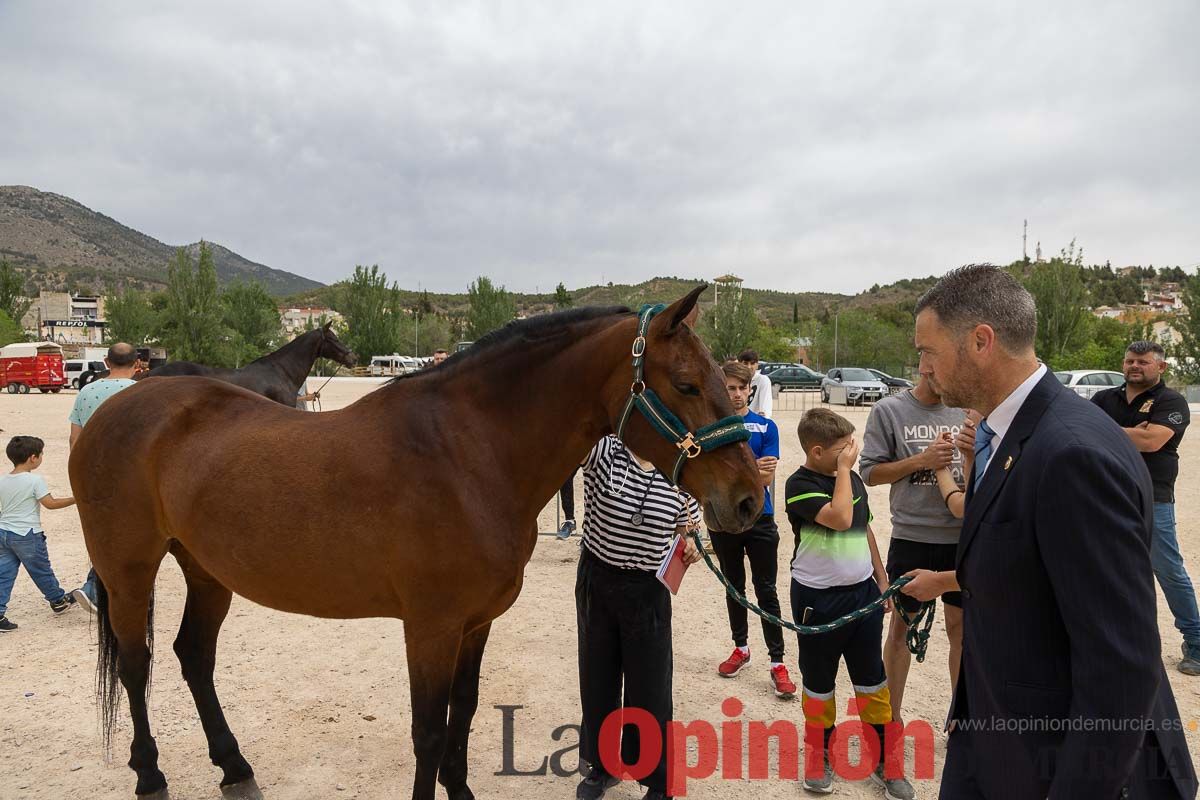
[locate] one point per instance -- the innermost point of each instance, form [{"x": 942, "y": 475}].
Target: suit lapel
[{"x": 1006, "y": 459}]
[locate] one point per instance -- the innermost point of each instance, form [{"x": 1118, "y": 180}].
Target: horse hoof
[
  {"x": 161, "y": 794},
  {"x": 461, "y": 793},
  {"x": 242, "y": 790}
]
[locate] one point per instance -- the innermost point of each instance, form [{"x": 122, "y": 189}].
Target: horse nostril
[{"x": 748, "y": 508}]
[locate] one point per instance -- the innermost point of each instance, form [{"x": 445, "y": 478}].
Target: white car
[{"x": 1087, "y": 382}]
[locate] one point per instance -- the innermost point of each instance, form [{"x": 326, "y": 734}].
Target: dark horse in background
[
  {"x": 464, "y": 457},
  {"x": 278, "y": 375}
]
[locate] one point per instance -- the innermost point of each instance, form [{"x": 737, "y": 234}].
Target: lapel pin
[{"x": 1007, "y": 463}]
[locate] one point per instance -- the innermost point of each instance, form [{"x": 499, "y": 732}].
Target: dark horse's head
[
  {"x": 682, "y": 372},
  {"x": 331, "y": 347}
]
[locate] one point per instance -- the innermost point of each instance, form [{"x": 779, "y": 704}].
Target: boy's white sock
[
  {"x": 744, "y": 650},
  {"x": 775, "y": 664}
]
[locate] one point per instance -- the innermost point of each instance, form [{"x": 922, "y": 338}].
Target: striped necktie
[{"x": 983, "y": 450}]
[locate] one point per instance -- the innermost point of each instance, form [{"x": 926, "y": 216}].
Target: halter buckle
[
  {"x": 639, "y": 346},
  {"x": 688, "y": 445}
]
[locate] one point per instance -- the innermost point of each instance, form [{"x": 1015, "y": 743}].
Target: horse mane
[{"x": 528, "y": 331}]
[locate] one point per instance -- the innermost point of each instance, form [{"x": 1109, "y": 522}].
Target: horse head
[
  {"x": 687, "y": 383},
  {"x": 331, "y": 347}
]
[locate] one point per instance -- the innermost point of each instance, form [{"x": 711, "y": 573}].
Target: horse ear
[
  {"x": 680, "y": 312},
  {"x": 327, "y": 325}
]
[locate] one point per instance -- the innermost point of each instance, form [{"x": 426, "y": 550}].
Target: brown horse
[{"x": 433, "y": 484}]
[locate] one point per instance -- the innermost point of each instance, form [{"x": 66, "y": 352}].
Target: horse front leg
[
  {"x": 464, "y": 699},
  {"x": 432, "y": 656}
]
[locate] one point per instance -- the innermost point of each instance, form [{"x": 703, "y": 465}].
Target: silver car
[
  {"x": 859, "y": 384},
  {"x": 1087, "y": 382}
]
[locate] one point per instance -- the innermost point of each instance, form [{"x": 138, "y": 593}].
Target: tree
[
  {"x": 488, "y": 308},
  {"x": 1187, "y": 350},
  {"x": 192, "y": 326},
  {"x": 859, "y": 338},
  {"x": 731, "y": 326},
  {"x": 13, "y": 302},
  {"x": 252, "y": 318},
  {"x": 1060, "y": 294},
  {"x": 562, "y": 298},
  {"x": 130, "y": 318},
  {"x": 372, "y": 311},
  {"x": 9, "y": 331}
]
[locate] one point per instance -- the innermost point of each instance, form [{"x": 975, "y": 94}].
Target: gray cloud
[{"x": 823, "y": 149}]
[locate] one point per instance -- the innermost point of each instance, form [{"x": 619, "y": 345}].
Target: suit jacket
[{"x": 1062, "y": 692}]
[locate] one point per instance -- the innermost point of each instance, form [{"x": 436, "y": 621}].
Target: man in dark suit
[{"x": 1062, "y": 692}]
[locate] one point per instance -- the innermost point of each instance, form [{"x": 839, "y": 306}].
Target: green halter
[{"x": 722, "y": 432}]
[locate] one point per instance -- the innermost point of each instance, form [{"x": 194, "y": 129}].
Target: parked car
[
  {"x": 75, "y": 367},
  {"x": 895, "y": 385},
  {"x": 861, "y": 386},
  {"x": 795, "y": 376},
  {"x": 767, "y": 367},
  {"x": 1086, "y": 382}
]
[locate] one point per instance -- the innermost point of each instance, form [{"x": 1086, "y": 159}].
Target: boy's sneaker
[
  {"x": 781, "y": 682},
  {"x": 733, "y": 665},
  {"x": 894, "y": 788},
  {"x": 822, "y": 784},
  {"x": 1190, "y": 665},
  {"x": 595, "y": 785},
  {"x": 7, "y": 625},
  {"x": 566, "y": 529},
  {"x": 81, "y": 598},
  {"x": 64, "y": 605}
]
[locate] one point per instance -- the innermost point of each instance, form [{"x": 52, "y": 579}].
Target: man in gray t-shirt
[{"x": 904, "y": 445}]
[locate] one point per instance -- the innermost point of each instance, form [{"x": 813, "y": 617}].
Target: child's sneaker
[
  {"x": 733, "y": 665},
  {"x": 64, "y": 605},
  {"x": 7, "y": 625},
  {"x": 781, "y": 682},
  {"x": 893, "y": 788},
  {"x": 821, "y": 784},
  {"x": 81, "y": 598}
]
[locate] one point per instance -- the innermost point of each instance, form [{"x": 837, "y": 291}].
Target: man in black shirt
[{"x": 1155, "y": 418}]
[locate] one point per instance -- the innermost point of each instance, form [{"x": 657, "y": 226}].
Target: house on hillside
[{"x": 297, "y": 319}]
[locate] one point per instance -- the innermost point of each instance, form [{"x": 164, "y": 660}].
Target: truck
[{"x": 32, "y": 365}]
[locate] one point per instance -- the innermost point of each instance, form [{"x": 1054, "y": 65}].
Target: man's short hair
[
  {"x": 984, "y": 294},
  {"x": 1143, "y": 347},
  {"x": 748, "y": 357},
  {"x": 440, "y": 350},
  {"x": 22, "y": 448},
  {"x": 739, "y": 372},
  {"x": 820, "y": 427},
  {"x": 121, "y": 354}
]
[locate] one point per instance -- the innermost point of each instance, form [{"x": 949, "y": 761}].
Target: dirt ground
[{"x": 321, "y": 707}]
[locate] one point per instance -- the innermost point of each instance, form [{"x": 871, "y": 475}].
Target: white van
[
  {"x": 77, "y": 366},
  {"x": 394, "y": 365}
]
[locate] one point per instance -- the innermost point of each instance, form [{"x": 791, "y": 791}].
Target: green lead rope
[{"x": 919, "y": 624}]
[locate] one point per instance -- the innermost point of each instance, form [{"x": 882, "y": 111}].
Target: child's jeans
[{"x": 29, "y": 550}]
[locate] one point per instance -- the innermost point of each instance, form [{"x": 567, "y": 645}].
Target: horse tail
[{"x": 108, "y": 691}]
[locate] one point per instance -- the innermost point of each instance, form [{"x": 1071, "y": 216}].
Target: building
[
  {"x": 298, "y": 319},
  {"x": 66, "y": 318}
]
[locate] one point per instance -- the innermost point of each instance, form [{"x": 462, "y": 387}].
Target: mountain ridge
[{"x": 61, "y": 244}]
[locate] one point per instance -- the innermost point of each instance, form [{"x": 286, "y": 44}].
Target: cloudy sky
[{"x": 801, "y": 146}]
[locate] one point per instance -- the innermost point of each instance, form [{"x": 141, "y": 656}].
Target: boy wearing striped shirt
[{"x": 836, "y": 569}]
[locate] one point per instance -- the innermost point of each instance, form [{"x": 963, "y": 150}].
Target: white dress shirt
[{"x": 1001, "y": 419}]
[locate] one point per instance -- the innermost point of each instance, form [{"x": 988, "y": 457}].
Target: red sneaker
[
  {"x": 782, "y": 683},
  {"x": 733, "y": 665}
]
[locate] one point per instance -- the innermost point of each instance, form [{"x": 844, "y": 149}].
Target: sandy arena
[{"x": 321, "y": 707}]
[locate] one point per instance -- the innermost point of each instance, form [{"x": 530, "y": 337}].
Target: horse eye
[{"x": 687, "y": 388}]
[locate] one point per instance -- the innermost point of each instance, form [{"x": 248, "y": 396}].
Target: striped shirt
[{"x": 615, "y": 489}]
